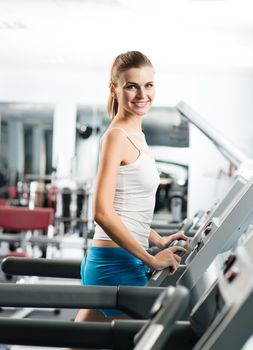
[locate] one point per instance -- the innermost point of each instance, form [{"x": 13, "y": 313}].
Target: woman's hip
[{"x": 112, "y": 266}]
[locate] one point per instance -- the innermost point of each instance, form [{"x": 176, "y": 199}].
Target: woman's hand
[
  {"x": 165, "y": 241},
  {"x": 168, "y": 258}
]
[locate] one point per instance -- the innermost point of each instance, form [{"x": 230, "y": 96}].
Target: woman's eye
[
  {"x": 131, "y": 87},
  {"x": 149, "y": 85}
]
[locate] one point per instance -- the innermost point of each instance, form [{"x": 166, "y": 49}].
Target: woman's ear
[{"x": 112, "y": 89}]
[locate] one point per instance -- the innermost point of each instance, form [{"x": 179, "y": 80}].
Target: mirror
[
  {"x": 26, "y": 141},
  {"x": 91, "y": 122},
  {"x": 167, "y": 133}
]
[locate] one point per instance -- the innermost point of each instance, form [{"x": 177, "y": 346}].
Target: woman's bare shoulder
[{"x": 114, "y": 135}]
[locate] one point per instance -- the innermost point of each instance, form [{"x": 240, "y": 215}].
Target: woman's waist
[
  {"x": 101, "y": 239},
  {"x": 103, "y": 243},
  {"x": 113, "y": 254}
]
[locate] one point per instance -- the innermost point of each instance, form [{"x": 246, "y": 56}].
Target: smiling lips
[{"x": 141, "y": 104}]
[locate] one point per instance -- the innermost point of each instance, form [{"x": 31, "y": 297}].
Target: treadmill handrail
[
  {"x": 90, "y": 335},
  {"x": 59, "y": 268},
  {"x": 227, "y": 148},
  {"x": 135, "y": 301}
]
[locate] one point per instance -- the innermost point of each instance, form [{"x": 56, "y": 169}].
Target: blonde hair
[{"x": 123, "y": 62}]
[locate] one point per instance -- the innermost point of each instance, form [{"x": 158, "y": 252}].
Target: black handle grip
[{"x": 58, "y": 268}]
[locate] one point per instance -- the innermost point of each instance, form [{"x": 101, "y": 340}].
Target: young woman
[{"x": 126, "y": 184}]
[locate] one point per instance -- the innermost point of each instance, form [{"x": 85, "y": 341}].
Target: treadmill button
[
  {"x": 230, "y": 275},
  {"x": 208, "y": 228},
  {"x": 229, "y": 262}
]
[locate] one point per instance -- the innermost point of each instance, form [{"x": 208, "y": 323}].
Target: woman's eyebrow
[
  {"x": 131, "y": 82},
  {"x": 134, "y": 83}
]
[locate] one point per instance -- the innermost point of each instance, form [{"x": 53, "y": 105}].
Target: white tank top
[{"x": 134, "y": 199}]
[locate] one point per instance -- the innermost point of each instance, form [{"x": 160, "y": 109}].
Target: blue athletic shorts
[{"x": 112, "y": 266}]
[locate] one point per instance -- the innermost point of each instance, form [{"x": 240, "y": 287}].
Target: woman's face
[{"x": 135, "y": 91}]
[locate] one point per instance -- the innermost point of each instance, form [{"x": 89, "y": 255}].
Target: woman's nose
[{"x": 141, "y": 93}]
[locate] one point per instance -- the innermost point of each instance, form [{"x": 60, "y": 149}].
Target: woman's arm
[{"x": 164, "y": 241}]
